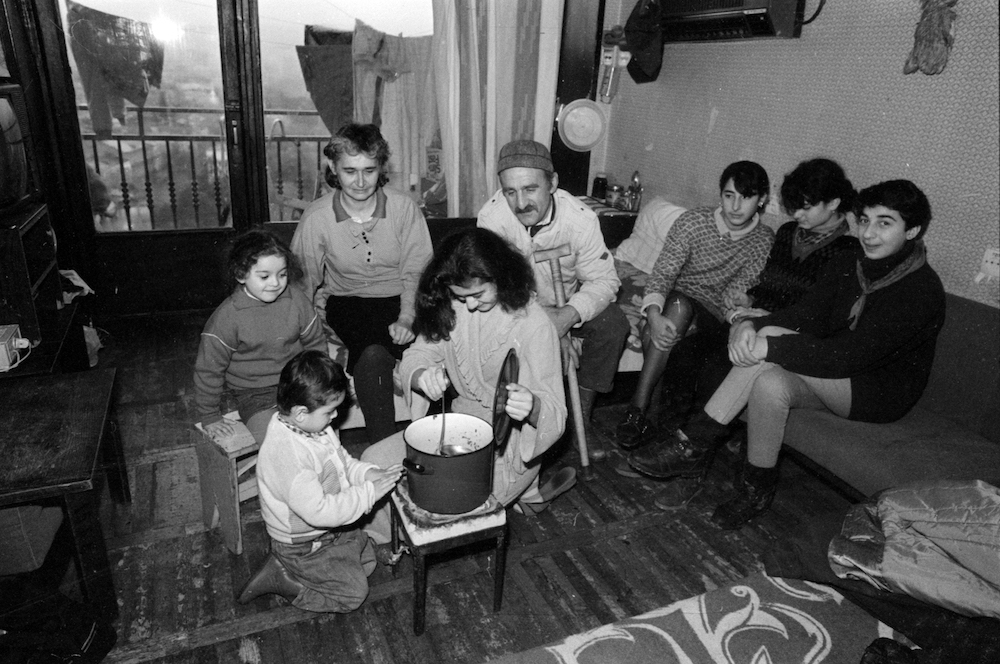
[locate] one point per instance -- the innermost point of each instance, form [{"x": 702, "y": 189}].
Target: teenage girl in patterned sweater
[{"x": 707, "y": 253}]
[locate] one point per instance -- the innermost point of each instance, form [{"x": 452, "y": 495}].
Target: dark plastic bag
[{"x": 645, "y": 41}]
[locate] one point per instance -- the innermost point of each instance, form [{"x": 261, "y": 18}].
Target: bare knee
[{"x": 679, "y": 311}]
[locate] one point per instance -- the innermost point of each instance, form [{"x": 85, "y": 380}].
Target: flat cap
[{"x": 525, "y": 154}]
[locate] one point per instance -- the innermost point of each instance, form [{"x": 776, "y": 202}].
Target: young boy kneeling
[{"x": 311, "y": 494}]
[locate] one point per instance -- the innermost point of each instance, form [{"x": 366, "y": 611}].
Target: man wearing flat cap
[{"x": 533, "y": 214}]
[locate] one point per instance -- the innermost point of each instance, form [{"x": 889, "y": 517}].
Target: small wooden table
[
  {"x": 56, "y": 434},
  {"x": 425, "y": 540}
]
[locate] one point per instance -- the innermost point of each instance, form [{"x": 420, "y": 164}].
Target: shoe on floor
[
  {"x": 555, "y": 486},
  {"x": 677, "y": 494},
  {"x": 385, "y": 556},
  {"x": 632, "y": 425},
  {"x": 678, "y": 456},
  {"x": 625, "y": 470},
  {"x": 271, "y": 578}
]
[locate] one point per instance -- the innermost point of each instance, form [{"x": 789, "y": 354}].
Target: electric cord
[
  {"x": 20, "y": 358},
  {"x": 815, "y": 13}
]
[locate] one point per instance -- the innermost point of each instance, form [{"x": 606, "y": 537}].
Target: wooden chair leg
[
  {"x": 419, "y": 591},
  {"x": 499, "y": 567}
]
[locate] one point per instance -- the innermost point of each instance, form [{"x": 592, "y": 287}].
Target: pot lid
[
  {"x": 581, "y": 125},
  {"x": 501, "y": 420}
]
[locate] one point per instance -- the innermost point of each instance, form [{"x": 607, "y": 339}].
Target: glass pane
[
  {"x": 307, "y": 78},
  {"x": 148, "y": 81}
]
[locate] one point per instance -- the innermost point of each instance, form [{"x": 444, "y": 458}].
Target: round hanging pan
[{"x": 582, "y": 125}]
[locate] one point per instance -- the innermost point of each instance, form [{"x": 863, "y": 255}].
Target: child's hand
[
  {"x": 384, "y": 479},
  {"x": 520, "y": 401},
  {"x": 221, "y": 429}
]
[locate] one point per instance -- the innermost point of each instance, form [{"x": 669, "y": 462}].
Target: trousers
[{"x": 769, "y": 392}]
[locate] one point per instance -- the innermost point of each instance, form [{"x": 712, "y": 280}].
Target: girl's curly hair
[
  {"x": 248, "y": 247},
  {"x": 463, "y": 256}
]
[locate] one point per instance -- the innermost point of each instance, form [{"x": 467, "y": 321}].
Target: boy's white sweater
[{"x": 308, "y": 483}]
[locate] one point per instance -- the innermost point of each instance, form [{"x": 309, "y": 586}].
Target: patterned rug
[{"x": 759, "y": 619}]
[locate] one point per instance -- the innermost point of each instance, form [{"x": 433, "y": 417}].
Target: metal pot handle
[{"x": 417, "y": 468}]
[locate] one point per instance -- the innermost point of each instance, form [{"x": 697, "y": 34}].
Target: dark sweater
[
  {"x": 887, "y": 356},
  {"x": 784, "y": 279}
]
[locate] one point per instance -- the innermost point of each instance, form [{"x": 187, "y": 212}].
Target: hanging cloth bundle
[
  {"x": 645, "y": 41},
  {"x": 118, "y": 59}
]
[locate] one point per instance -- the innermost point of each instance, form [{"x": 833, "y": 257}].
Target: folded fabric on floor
[
  {"x": 758, "y": 619},
  {"x": 944, "y": 636},
  {"x": 937, "y": 541}
]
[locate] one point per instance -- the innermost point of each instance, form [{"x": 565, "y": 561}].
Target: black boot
[
  {"x": 754, "y": 494},
  {"x": 631, "y": 428},
  {"x": 679, "y": 456},
  {"x": 689, "y": 452},
  {"x": 271, "y": 578}
]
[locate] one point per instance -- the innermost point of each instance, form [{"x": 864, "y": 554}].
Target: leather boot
[
  {"x": 271, "y": 578},
  {"x": 689, "y": 452},
  {"x": 753, "y": 497},
  {"x": 679, "y": 456},
  {"x": 631, "y": 428}
]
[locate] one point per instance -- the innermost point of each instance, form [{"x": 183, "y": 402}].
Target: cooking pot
[
  {"x": 455, "y": 483},
  {"x": 455, "y": 475}
]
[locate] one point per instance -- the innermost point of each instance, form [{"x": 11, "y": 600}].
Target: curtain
[
  {"x": 392, "y": 88},
  {"x": 495, "y": 71}
]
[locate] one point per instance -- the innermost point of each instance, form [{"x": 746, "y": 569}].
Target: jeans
[{"x": 334, "y": 570}]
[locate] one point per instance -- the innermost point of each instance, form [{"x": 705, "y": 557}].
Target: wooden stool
[
  {"x": 423, "y": 541},
  {"x": 222, "y": 463}
]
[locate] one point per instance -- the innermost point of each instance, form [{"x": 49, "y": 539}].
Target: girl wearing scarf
[{"x": 860, "y": 343}]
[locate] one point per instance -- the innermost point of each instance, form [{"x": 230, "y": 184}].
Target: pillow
[{"x": 643, "y": 246}]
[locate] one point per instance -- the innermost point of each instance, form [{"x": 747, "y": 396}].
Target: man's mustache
[{"x": 526, "y": 208}]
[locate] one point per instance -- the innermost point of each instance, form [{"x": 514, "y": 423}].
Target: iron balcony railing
[{"x": 160, "y": 176}]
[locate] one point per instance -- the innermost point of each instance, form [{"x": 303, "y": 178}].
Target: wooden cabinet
[{"x": 29, "y": 274}]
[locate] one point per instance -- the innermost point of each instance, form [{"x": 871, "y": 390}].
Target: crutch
[{"x": 553, "y": 256}]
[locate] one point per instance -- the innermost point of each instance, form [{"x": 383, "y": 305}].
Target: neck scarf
[
  {"x": 804, "y": 242},
  {"x": 910, "y": 262}
]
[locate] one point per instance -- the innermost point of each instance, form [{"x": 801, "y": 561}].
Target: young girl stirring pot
[
  {"x": 252, "y": 335},
  {"x": 475, "y": 302}
]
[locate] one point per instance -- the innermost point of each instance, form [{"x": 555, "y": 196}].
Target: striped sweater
[{"x": 308, "y": 483}]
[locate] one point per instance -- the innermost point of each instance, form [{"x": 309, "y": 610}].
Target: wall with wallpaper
[{"x": 838, "y": 91}]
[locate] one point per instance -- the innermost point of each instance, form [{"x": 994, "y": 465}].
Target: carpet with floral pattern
[{"x": 758, "y": 619}]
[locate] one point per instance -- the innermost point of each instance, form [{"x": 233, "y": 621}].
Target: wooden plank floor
[{"x": 601, "y": 553}]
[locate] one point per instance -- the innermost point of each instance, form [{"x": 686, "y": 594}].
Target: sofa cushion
[
  {"x": 920, "y": 446},
  {"x": 964, "y": 385}
]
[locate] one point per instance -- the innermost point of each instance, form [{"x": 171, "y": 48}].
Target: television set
[{"x": 18, "y": 178}]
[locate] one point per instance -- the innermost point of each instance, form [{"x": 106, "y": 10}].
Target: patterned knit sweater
[
  {"x": 785, "y": 279},
  {"x": 702, "y": 263}
]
